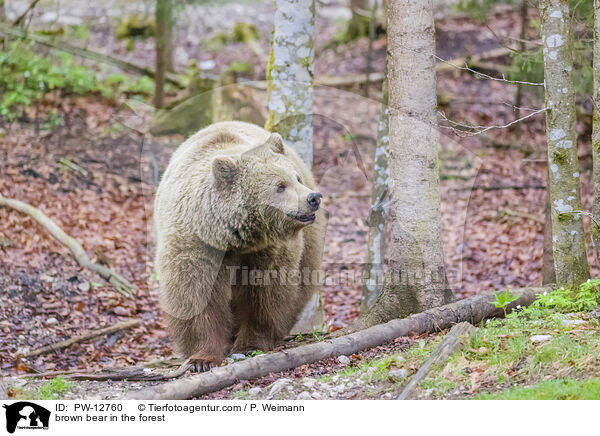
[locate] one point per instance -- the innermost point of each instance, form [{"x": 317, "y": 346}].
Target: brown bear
[{"x": 239, "y": 240}]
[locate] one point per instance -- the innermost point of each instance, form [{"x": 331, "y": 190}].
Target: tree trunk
[
  {"x": 2, "y": 11},
  {"x": 568, "y": 238},
  {"x": 596, "y": 133},
  {"x": 163, "y": 18},
  {"x": 290, "y": 75},
  {"x": 416, "y": 277},
  {"x": 548, "y": 274},
  {"x": 290, "y": 88},
  {"x": 378, "y": 216}
]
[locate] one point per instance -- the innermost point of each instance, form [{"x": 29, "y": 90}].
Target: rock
[
  {"x": 229, "y": 360},
  {"x": 387, "y": 396},
  {"x": 238, "y": 356},
  {"x": 344, "y": 360},
  {"x": 51, "y": 321},
  {"x": 398, "y": 373},
  {"x": 304, "y": 396},
  {"x": 84, "y": 287},
  {"x": 571, "y": 322},
  {"x": 308, "y": 382},
  {"x": 335, "y": 378},
  {"x": 255, "y": 391},
  {"x": 277, "y": 387},
  {"x": 340, "y": 389},
  {"x": 540, "y": 338},
  {"x": 316, "y": 395}
]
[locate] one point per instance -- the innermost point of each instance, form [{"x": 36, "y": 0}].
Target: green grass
[
  {"x": 559, "y": 389},
  {"x": 52, "y": 389}
]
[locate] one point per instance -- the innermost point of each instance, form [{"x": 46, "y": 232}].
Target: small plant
[
  {"x": 565, "y": 300},
  {"x": 52, "y": 388},
  {"x": 503, "y": 299}
]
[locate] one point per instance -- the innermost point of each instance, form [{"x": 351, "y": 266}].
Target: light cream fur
[{"x": 219, "y": 209}]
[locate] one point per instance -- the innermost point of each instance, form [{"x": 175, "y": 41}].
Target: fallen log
[
  {"x": 75, "y": 339},
  {"x": 120, "y": 283},
  {"x": 458, "y": 337},
  {"x": 473, "y": 309},
  {"x": 85, "y": 52}
]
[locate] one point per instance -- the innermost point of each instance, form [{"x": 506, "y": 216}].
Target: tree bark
[
  {"x": 378, "y": 216},
  {"x": 568, "y": 238},
  {"x": 290, "y": 75},
  {"x": 163, "y": 18},
  {"x": 2, "y": 11},
  {"x": 416, "y": 277},
  {"x": 472, "y": 309},
  {"x": 548, "y": 274},
  {"x": 596, "y": 133}
]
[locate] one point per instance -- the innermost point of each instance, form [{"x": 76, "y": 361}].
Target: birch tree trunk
[
  {"x": 290, "y": 75},
  {"x": 416, "y": 277},
  {"x": 378, "y": 216},
  {"x": 290, "y": 87},
  {"x": 596, "y": 134},
  {"x": 568, "y": 238}
]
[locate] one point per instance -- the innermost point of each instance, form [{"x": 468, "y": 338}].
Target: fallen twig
[
  {"x": 473, "y": 309},
  {"x": 21, "y": 17},
  {"x": 458, "y": 337},
  {"x": 498, "y": 188},
  {"x": 441, "y": 66},
  {"x": 75, "y": 339},
  {"x": 120, "y": 283},
  {"x": 516, "y": 213}
]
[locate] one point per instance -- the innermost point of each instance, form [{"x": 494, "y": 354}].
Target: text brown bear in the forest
[{"x": 233, "y": 199}]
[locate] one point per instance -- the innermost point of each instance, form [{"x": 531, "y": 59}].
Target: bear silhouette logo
[{"x": 24, "y": 414}]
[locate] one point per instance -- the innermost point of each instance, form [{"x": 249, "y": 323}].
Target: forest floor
[{"x": 492, "y": 206}]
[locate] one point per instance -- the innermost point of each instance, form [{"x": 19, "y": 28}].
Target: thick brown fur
[{"x": 218, "y": 213}]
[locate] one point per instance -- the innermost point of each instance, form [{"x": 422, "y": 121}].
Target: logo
[{"x": 26, "y": 415}]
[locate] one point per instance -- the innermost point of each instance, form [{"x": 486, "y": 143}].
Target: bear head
[{"x": 271, "y": 187}]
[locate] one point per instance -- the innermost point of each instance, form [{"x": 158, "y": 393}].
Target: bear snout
[{"x": 314, "y": 200}]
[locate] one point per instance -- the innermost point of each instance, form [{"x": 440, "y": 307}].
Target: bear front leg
[
  {"x": 195, "y": 294},
  {"x": 267, "y": 311}
]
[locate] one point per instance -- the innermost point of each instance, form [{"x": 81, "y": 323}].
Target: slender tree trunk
[
  {"x": 378, "y": 216},
  {"x": 163, "y": 18},
  {"x": 290, "y": 75},
  {"x": 416, "y": 277},
  {"x": 596, "y": 133},
  {"x": 2, "y": 11},
  {"x": 522, "y": 48},
  {"x": 290, "y": 88},
  {"x": 548, "y": 274},
  {"x": 568, "y": 238}
]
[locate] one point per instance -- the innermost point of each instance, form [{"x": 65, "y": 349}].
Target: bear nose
[{"x": 314, "y": 200}]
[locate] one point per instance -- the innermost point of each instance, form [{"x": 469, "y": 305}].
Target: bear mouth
[{"x": 304, "y": 218}]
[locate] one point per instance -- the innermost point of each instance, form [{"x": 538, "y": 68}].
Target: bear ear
[
  {"x": 275, "y": 143},
  {"x": 224, "y": 169}
]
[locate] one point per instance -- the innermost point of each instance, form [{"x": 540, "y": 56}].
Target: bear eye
[
  {"x": 298, "y": 178},
  {"x": 281, "y": 187}
]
